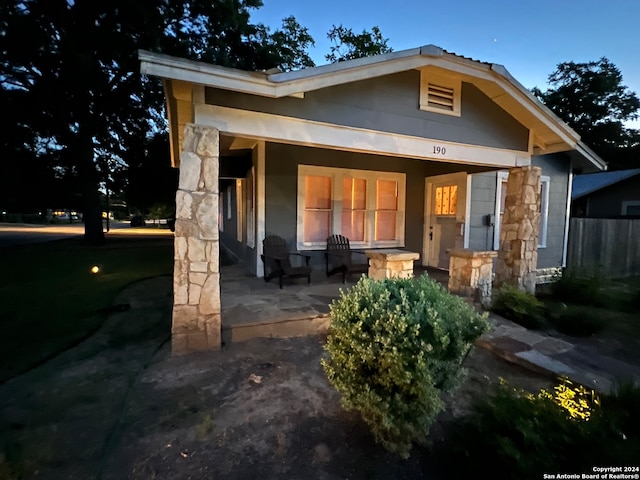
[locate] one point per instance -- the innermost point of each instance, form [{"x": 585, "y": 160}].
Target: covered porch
[{"x": 251, "y": 307}]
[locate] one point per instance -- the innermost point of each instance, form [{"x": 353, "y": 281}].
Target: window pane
[
  {"x": 438, "y": 202},
  {"x": 445, "y": 201},
  {"x": 316, "y": 225},
  {"x": 354, "y": 193},
  {"x": 453, "y": 200},
  {"x": 385, "y": 225},
  {"x": 387, "y": 195},
  {"x": 317, "y": 192},
  {"x": 353, "y": 224}
]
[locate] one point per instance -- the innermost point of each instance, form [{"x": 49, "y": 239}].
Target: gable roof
[
  {"x": 549, "y": 133},
  {"x": 592, "y": 182}
]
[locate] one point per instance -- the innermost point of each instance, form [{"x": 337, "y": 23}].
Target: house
[
  {"x": 421, "y": 149},
  {"x": 613, "y": 194}
]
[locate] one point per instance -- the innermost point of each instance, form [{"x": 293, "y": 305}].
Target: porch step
[{"x": 287, "y": 328}]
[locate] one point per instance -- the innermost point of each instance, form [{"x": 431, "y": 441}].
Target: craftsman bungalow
[{"x": 420, "y": 149}]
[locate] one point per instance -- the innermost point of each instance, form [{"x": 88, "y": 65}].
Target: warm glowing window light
[{"x": 446, "y": 200}]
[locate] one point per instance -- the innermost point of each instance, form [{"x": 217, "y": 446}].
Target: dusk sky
[{"x": 528, "y": 38}]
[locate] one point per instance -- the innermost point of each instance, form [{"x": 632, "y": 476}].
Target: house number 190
[{"x": 439, "y": 150}]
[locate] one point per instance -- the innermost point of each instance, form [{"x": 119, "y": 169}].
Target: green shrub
[
  {"x": 519, "y": 306},
  {"x": 393, "y": 346},
  {"x": 576, "y": 320},
  {"x": 514, "y": 434},
  {"x": 581, "y": 286}
]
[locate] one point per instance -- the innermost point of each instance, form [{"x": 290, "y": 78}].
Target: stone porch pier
[
  {"x": 389, "y": 263},
  {"x": 196, "y": 276},
  {"x": 470, "y": 273},
  {"x": 518, "y": 253}
]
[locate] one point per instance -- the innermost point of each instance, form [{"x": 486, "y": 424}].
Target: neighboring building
[
  {"x": 613, "y": 194},
  {"x": 411, "y": 149}
]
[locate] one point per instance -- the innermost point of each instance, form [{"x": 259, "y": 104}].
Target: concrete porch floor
[{"x": 251, "y": 307}]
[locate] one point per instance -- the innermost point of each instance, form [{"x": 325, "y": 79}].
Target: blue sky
[{"x": 528, "y": 38}]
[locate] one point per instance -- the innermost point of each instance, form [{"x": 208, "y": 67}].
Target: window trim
[
  {"x": 626, "y": 204},
  {"x": 428, "y": 77},
  {"x": 545, "y": 183},
  {"x": 337, "y": 174}
]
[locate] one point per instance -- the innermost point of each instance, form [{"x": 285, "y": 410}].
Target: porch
[{"x": 251, "y": 307}]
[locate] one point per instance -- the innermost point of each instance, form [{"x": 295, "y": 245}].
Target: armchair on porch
[
  {"x": 277, "y": 260},
  {"x": 340, "y": 258}
]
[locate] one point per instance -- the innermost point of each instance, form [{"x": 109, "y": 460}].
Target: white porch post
[
  {"x": 518, "y": 253},
  {"x": 196, "y": 276}
]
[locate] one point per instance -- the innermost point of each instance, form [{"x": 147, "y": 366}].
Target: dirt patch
[
  {"x": 264, "y": 409},
  {"x": 118, "y": 406}
]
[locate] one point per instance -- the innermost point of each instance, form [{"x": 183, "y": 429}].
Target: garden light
[{"x": 95, "y": 269}]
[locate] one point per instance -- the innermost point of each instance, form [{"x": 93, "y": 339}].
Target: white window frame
[
  {"x": 545, "y": 183},
  {"x": 627, "y": 204},
  {"x": 250, "y": 201},
  {"x": 239, "y": 208},
  {"x": 428, "y": 77},
  {"x": 337, "y": 175}
]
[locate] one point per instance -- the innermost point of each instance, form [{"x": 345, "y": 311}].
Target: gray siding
[
  {"x": 237, "y": 250},
  {"x": 607, "y": 203},
  {"x": 391, "y": 104},
  {"x": 483, "y": 198},
  {"x": 557, "y": 168},
  {"x": 483, "y": 202},
  {"x": 281, "y": 180}
]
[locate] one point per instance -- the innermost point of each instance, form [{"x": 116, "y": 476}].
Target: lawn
[{"x": 49, "y": 299}]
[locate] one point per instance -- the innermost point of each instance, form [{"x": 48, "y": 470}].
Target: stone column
[
  {"x": 196, "y": 275},
  {"x": 518, "y": 252},
  {"x": 389, "y": 263},
  {"x": 470, "y": 274}
]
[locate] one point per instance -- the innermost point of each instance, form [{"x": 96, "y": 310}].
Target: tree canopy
[
  {"x": 592, "y": 99},
  {"x": 349, "y": 46},
  {"x": 77, "y": 107}
]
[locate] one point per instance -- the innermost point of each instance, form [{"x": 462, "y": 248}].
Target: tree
[
  {"x": 70, "y": 69},
  {"x": 592, "y": 99},
  {"x": 349, "y": 46}
]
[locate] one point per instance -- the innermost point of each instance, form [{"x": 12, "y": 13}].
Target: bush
[
  {"x": 514, "y": 434},
  {"x": 393, "y": 346},
  {"x": 580, "y": 286},
  {"x": 519, "y": 306},
  {"x": 578, "y": 321}
]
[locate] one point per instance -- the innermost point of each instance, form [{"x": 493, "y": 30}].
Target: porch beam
[{"x": 299, "y": 131}]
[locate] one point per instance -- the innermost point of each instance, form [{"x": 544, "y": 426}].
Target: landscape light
[{"x": 95, "y": 269}]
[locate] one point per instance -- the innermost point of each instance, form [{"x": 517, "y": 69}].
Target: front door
[{"x": 445, "y": 216}]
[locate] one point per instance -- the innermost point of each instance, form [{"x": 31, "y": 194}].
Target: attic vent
[
  {"x": 440, "y": 93},
  {"x": 440, "y": 97}
]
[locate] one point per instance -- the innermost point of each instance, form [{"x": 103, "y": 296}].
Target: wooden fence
[{"x": 613, "y": 245}]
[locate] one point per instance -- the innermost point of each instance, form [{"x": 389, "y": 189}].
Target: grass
[{"x": 49, "y": 300}]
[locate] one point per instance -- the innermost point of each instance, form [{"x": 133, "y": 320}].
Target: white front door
[{"x": 446, "y": 220}]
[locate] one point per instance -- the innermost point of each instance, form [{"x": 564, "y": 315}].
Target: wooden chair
[
  {"x": 277, "y": 260},
  {"x": 339, "y": 258}
]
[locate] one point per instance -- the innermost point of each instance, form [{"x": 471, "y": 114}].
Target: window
[
  {"x": 631, "y": 208},
  {"x": 446, "y": 200},
  {"x": 439, "y": 93},
  {"x": 367, "y": 207},
  {"x": 501, "y": 195},
  {"x": 250, "y": 202}
]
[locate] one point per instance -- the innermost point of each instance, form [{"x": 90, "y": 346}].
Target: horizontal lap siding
[
  {"x": 281, "y": 180},
  {"x": 483, "y": 198},
  {"x": 391, "y": 104}
]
